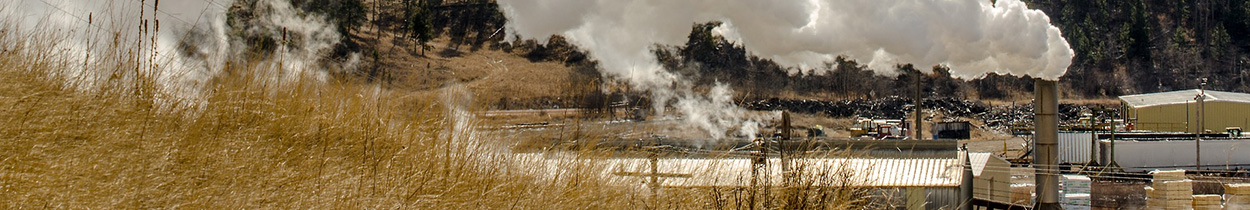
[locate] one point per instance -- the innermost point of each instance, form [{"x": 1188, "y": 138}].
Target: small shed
[
  {"x": 952, "y": 130},
  {"x": 991, "y": 177},
  {"x": 1177, "y": 111}
]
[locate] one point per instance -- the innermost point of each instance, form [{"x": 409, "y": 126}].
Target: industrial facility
[
  {"x": 1185, "y": 111},
  {"x": 937, "y": 182}
]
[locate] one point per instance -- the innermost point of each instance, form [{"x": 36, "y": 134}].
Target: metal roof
[
  {"x": 1182, "y": 97},
  {"x": 979, "y": 160},
  {"x": 736, "y": 172},
  {"x": 886, "y": 172}
]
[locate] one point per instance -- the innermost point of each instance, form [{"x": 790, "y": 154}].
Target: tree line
[
  {"x": 1138, "y": 46},
  {"x": 1122, "y": 47}
]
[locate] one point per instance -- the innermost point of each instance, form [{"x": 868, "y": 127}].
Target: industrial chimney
[{"x": 1046, "y": 138}]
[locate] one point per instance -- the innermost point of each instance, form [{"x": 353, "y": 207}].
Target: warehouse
[
  {"x": 905, "y": 182},
  {"x": 1178, "y": 111},
  {"x": 913, "y": 183}
]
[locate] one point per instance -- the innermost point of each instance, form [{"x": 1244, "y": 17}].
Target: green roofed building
[{"x": 1177, "y": 111}]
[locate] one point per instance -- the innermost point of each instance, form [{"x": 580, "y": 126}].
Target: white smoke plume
[
  {"x": 973, "y": 38},
  {"x": 188, "y": 41}
]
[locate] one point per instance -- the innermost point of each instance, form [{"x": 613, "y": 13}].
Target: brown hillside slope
[{"x": 497, "y": 78}]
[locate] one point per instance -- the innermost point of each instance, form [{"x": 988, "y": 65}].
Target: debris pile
[
  {"x": 891, "y": 107},
  {"x": 995, "y": 117},
  {"x": 1002, "y": 117}
]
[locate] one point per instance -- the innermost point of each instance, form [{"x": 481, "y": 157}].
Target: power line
[
  {"x": 66, "y": 12},
  {"x": 90, "y": 24}
]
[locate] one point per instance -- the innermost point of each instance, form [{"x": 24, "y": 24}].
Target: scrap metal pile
[{"x": 995, "y": 117}]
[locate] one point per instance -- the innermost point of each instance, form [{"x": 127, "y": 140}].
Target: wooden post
[
  {"x": 655, "y": 172},
  {"x": 782, "y": 150},
  {"x": 758, "y": 162},
  {"x": 787, "y": 172}
]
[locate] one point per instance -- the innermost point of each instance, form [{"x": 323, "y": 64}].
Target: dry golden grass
[{"x": 124, "y": 142}]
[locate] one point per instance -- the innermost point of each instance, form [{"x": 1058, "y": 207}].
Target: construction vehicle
[
  {"x": 878, "y": 128},
  {"x": 1085, "y": 123}
]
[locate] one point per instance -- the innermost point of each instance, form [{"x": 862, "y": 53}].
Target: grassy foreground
[
  {"x": 119, "y": 140},
  {"x": 123, "y": 143}
]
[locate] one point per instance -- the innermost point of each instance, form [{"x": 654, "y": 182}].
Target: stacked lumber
[
  {"x": 1237, "y": 196},
  {"x": 1075, "y": 190},
  {"x": 1170, "y": 190},
  {"x": 1208, "y": 202},
  {"x": 1022, "y": 193}
]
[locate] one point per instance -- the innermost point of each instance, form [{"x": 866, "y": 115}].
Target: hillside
[
  {"x": 1133, "y": 47},
  {"x": 1138, "y": 46},
  {"x": 498, "y": 79},
  {"x": 1122, "y": 47}
]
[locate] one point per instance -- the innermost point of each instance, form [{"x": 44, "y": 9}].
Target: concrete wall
[{"x": 1183, "y": 117}]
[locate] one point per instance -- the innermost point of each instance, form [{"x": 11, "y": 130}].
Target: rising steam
[
  {"x": 186, "y": 42},
  {"x": 973, "y": 38}
]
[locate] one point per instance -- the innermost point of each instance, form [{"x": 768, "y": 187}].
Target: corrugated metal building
[
  {"x": 1075, "y": 147},
  {"x": 921, "y": 183},
  {"x": 1177, "y": 111},
  {"x": 906, "y": 182}
]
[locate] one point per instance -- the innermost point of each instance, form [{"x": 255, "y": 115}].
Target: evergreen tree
[
  {"x": 418, "y": 20},
  {"x": 345, "y": 14},
  {"x": 1139, "y": 33}
]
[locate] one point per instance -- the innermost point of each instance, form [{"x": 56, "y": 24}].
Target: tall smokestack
[{"x": 1046, "y": 133}]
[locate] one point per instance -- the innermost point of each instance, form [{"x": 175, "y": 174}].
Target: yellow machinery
[{"x": 877, "y": 128}]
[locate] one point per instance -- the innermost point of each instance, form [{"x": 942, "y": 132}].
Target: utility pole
[
  {"x": 1093, "y": 139},
  {"x": 1202, "y": 96},
  {"x": 919, "y": 103},
  {"x": 1110, "y": 162}
]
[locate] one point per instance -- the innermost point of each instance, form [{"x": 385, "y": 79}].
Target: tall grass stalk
[
  {"x": 122, "y": 142},
  {"x": 110, "y": 137}
]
